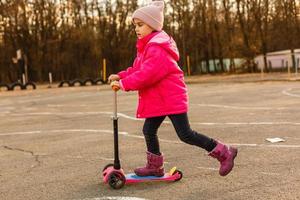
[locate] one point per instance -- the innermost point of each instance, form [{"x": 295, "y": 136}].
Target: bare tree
[
  {"x": 229, "y": 31},
  {"x": 261, "y": 15},
  {"x": 70, "y": 38}
]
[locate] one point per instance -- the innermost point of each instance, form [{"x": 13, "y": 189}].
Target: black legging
[{"x": 183, "y": 130}]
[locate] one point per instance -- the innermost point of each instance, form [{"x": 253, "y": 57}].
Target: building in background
[
  {"x": 279, "y": 60},
  {"x": 215, "y": 66}
]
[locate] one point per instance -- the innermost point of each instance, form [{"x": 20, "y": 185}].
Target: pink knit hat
[{"x": 152, "y": 14}]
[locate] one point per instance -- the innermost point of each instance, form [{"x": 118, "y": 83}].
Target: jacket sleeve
[
  {"x": 152, "y": 70},
  {"x": 125, "y": 73}
]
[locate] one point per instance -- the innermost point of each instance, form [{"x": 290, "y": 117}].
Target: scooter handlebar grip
[{"x": 115, "y": 88}]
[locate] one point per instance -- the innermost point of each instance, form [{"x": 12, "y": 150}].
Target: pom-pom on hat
[{"x": 152, "y": 14}]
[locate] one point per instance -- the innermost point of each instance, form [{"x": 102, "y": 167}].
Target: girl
[{"x": 162, "y": 92}]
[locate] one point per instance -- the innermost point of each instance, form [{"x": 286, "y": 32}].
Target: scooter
[{"x": 114, "y": 175}]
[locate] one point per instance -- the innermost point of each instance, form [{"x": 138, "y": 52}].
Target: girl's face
[{"x": 141, "y": 28}]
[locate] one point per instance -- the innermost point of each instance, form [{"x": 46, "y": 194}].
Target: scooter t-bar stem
[
  {"x": 117, "y": 164},
  {"x": 115, "y": 113}
]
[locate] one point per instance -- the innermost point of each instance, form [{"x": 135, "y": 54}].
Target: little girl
[{"x": 162, "y": 92}]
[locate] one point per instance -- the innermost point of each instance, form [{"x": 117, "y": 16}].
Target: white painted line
[
  {"x": 60, "y": 105},
  {"x": 215, "y": 169},
  {"x": 57, "y": 113},
  {"x": 240, "y": 107},
  {"x": 126, "y": 134},
  {"x": 247, "y": 145},
  {"x": 114, "y": 198},
  {"x": 21, "y": 133},
  {"x": 73, "y": 113},
  {"x": 87, "y": 130},
  {"x": 281, "y": 146},
  {"x": 165, "y": 122},
  {"x": 129, "y": 117},
  {"x": 106, "y": 159},
  {"x": 288, "y": 92},
  {"x": 98, "y": 158},
  {"x": 40, "y": 98},
  {"x": 267, "y": 145},
  {"x": 62, "y": 131},
  {"x": 245, "y": 123},
  {"x": 269, "y": 173},
  {"x": 208, "y": 168}
]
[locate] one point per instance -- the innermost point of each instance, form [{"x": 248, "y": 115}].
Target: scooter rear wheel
[{"x": 116, "y": 180}]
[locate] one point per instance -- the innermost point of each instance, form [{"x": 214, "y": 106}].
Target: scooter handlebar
[{"x": 115, "y": 88}]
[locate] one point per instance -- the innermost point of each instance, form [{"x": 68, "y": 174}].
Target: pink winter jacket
[{"x": 157, "y": 77}]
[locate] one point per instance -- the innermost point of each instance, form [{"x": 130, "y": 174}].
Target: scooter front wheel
[
  {"x": 116, "y": 180},
  {"x": 107, "y": 166}
]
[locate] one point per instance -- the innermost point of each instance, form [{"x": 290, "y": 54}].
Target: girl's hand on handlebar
[
  {"x": 113, "y": 77},
  {"x": 115, "y": 85}
]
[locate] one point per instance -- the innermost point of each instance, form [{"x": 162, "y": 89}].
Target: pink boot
[
  {"x": 225, "y": 155},
  {"x": 154, "y": 166}
]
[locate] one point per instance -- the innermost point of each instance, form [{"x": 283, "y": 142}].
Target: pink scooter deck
[
  {"x": 173, "y": 175},
  {"x": 117, "y": 179}
]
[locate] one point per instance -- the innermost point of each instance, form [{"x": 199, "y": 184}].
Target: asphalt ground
[{"x": 55, "y": 142}]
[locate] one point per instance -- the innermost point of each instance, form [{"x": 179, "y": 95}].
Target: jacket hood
[
  {"x": 167, "y": 42},
  {"x": 161, "y": 38}
]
